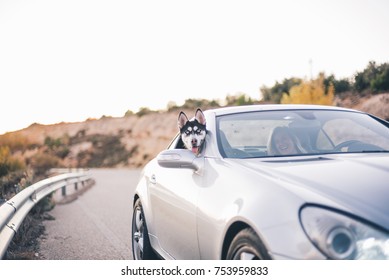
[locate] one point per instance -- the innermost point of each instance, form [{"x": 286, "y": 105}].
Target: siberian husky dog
[{"x": 192, "y": 131}]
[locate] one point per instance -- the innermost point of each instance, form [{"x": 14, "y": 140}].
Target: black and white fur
[{"x": 193, "y": 132}]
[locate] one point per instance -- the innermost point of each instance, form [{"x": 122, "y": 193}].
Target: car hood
[{"x": 358, "y": 184}]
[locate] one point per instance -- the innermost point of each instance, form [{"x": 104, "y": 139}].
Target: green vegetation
[
  {"x": 106, "y": 151},
  {"x": 275, "y": 93},
  {"x": 58, "y": 147},
  {"x": 230, "y": 100},
  {"x": 310, "y": 92},
  {"x": 372, "y": 80},
  {"x": 8, "y": 163}
]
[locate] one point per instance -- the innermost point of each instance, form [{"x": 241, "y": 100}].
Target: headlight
[{"x": 341, "y": 237}]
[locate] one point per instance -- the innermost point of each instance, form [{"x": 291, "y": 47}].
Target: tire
[
  {"x": 141, "y": 248},
  {"x": 246, "y": 245}
]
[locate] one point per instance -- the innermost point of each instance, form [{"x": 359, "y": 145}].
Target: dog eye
[
  {"x": 187, "y": 132},
  {"x": 198, "y": 131}
]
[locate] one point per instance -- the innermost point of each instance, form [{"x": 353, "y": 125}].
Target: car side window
[{"x": 176, "y": 143}]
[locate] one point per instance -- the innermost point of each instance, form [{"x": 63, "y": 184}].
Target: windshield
[{"x": 299, "y": 132}]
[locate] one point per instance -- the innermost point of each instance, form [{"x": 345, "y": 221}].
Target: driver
[{"x": 283, "y": 142}]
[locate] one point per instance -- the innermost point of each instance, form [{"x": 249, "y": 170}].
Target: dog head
[{"x": 192, "y": 131}]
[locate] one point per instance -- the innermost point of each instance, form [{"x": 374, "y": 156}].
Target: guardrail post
[
  {"x": 64, "y": 191},
  {"x": 76, "y": 185}
]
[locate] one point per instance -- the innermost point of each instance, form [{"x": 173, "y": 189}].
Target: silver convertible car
[{"x": 273, "y": 182}]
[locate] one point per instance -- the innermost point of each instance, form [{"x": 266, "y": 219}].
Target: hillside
[
  {"x": 131, "y": 141},
  {"x": 107, "y": 142}
]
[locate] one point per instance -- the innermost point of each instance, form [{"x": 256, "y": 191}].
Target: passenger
[{"x": 284, "y": 142}]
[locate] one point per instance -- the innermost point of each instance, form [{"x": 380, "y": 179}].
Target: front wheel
[
  {"x": 141, "y": 248},
  {"x": 246, "y": 245}
]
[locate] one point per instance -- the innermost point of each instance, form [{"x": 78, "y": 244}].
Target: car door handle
[{"x": 153, "y": 179}]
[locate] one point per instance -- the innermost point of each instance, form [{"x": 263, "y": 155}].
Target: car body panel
[
  {"x": 190, "y": 212},
  {"x": 174, "y": 202},
  {"x": 330, "y": 177}
]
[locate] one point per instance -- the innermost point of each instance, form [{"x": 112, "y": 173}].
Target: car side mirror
[{"x": 180, "y": 158}]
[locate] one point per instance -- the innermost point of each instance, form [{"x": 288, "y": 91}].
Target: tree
[
  {"x": 239, "y": 100},
  {"x": 274, "y": 94},
  {"x": 342, "y": 85},
  {"x": 193, "y": 103},
  {"x": 363, "y": 79},
  {"x": 374, "y": 79},
  {"x": 310, "y": 92},
  {"x": 381, "y": 80},
  {"x": 144, "y": 111}
]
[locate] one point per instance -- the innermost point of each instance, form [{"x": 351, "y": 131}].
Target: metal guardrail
[{"x": 13, "y": 211}]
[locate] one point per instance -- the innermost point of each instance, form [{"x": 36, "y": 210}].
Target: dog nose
[{"x": 194, "y": 141}]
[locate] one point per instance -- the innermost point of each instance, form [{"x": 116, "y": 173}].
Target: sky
[{"x": 66, "y": 61}]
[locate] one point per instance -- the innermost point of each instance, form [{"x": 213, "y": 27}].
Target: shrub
[
  {"x": 42, "y": 162},
  {"x": 310, "y": 92}
]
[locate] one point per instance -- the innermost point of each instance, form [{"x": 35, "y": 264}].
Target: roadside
[{"x": 25, "y": 245}]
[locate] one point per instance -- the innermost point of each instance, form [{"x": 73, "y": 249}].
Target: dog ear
[
  {"x": 182, "y": 119},
  {"x": 200, "y": 116}
]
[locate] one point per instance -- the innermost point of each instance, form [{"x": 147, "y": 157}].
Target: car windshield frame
[{"x": 313, "y": 131}]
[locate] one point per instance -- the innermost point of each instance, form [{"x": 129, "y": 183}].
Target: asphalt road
[{"x": 95, "y": 226}]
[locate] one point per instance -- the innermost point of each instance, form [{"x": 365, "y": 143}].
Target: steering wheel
[{"x": 347, "y": 143}]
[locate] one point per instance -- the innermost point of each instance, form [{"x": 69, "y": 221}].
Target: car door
[{"x": 173, "y": 197}]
